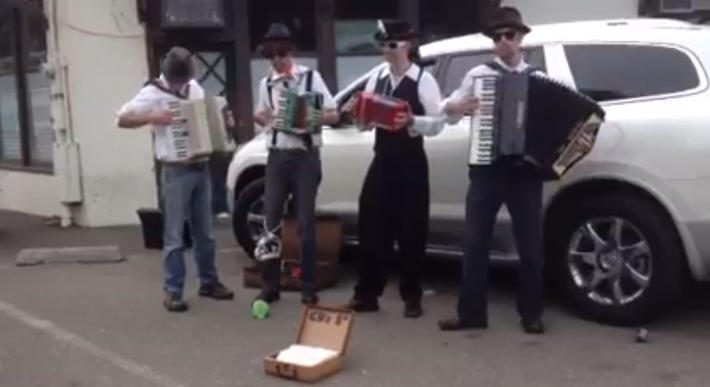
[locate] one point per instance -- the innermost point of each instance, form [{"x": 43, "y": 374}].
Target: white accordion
[{"x": 199, "y": 128}]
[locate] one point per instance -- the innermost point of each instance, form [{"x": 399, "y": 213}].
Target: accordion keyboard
[
  {"x": 178, "y": 130},
  {"x": 483, "y": 145}
]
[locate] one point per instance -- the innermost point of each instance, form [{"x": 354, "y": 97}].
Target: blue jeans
[{"x": 187, "y": 192}]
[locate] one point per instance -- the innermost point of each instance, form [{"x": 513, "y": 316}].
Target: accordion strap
[
  {"x": 159, "y": 85},
  {"x": 498, "y": 67}
]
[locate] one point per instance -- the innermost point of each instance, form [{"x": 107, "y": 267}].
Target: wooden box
[{"x": 328, "y": 244}]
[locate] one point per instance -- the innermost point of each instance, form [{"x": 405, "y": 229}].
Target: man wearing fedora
[
  {"x": 394, "y": 201},
  {"x": 185, "y": 186},
  {"x": 293, "y": 166},
  {"x": 509, "y": 180}
]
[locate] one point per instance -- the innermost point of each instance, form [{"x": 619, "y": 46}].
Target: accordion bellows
[
  {"x": 533, "y": 116},
  {"x": 375, "y": 110},
  {"x": 298, "y": 113},
  {"x": 198, "y": 129}
]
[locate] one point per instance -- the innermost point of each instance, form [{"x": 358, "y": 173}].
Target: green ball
[{"x": 260, "y": 309}]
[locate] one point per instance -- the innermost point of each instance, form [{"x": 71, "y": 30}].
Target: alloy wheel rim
[{"x": 610, "y": 260}]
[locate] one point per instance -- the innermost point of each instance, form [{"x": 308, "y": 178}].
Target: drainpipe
[{"x": 67, "y": 161}]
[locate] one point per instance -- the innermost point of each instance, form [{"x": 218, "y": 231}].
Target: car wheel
[
  {"x": 248, "y": 217},
  {"x": 617, "y": 258}
]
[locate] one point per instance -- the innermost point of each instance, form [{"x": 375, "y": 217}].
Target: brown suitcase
[{"x": 328, "y": 244}]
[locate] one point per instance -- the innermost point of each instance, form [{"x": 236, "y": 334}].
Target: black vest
[{"x": 399, "y": 142}]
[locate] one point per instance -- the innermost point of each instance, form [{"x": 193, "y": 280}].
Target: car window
[
  {"x": 461, "y": 64},
  {"x": 613, "y": 72},
  {"x": 458, "y": 66},
  {"x": 535, "y": 57}
]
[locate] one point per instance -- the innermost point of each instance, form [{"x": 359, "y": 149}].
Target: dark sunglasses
[
  {"x": 392, "y": 45},
  {"x": 509, "y": 35},
  {"x": 280, "y": 52}
]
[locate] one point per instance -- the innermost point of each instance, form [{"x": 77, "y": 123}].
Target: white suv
[{"x": 625, "y": 227}]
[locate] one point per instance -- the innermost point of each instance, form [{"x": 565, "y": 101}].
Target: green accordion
[{"x": 299, "y": 113}]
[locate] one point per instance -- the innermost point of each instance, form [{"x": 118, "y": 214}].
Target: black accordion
[{"x": 532, "y": 117}]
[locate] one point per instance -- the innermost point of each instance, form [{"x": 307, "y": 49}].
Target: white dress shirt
[{"x": 150, "y": 99}]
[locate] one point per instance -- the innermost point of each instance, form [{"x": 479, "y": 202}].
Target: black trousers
[
  {"x": 520, "y": 188},
  {"x": 295, "y": 173},
  {"x": 394, "y": 206}
]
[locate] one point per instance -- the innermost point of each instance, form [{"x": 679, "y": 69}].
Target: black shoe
[
  {"x": 173, "y": 302},
  {"x": 269, "y": 297},
  {"x": 413, "y": 309},
  {"x": 358, "y": 304},
  {"x": 455, "y": 324},
  {"x": 215, "y": 290},
  {"x": 309, "y": 298},
  {"x": 533, "y": 327}
]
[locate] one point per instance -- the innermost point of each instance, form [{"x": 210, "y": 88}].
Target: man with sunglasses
[
  {"x": 511, "y": 181},
  {"x": 185, "y": 186},
  {"x": 293, "y": 166},
  {"x": 394, "y": 201}
]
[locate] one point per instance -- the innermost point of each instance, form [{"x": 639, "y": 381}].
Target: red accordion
[{"x": 375, "y": 110}]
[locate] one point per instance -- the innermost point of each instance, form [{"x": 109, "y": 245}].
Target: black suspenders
[{"x": 158, "y": 85}]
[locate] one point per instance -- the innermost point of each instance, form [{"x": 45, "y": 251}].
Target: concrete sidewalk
[
  {"x": 20, "y": 231},
  {"x": 103, "y": 325}
]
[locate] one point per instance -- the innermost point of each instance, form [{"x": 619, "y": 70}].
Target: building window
[
  {"x": 211, "y": 71},
  {"x": 355, "y": 37},
  {"x": 355, "y": 26},
  {"x": 26, "y": 135},
  {"x": 299, "y": 16},
  {"x": 9, "y": 113}
]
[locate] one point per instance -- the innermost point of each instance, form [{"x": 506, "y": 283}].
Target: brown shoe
[
  {"x": 358, "y": 304},
  {"x": 455, "y": 324},
  {"x": 413, "y": 309},
  {"x": 173, "y": 303},
  {"x": 309, "y": 298},
  {"x": 533, "y": 327},
  {"x": 216, "y": 291},
  {"x": 268, "y": 296}
]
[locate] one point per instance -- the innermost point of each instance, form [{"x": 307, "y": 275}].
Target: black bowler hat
[
  {"x": 505, "y": 17},
  {"x": 278, "y": 32},
  {"x": 394, "y": 30}
]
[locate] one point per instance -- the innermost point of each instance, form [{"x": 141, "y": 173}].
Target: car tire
[
  {"x": 578, "y": 263},
  {"x": 245, "y": 202}
]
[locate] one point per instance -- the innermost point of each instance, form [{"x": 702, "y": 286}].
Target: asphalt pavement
[{"x": 66, "y": 324}]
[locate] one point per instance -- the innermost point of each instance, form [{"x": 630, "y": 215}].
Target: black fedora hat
[
  {"x": 394, "y": 30},
  {"x": 505, "y": 17},
  {"x": 278, "y": 32}
]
